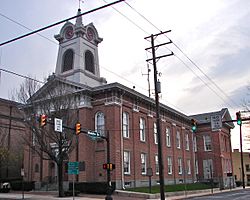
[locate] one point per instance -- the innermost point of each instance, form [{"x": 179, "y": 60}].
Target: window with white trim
[
  {"x": 170, "y": 165},
  {"x": 178, "y": 140},
  {"x": 126, "y": 162},
  {"x": 156, "y": 165},
  {"x": 187, "y": 142},
  {"x": 195, "y": 144},
  {"x": 208, "y": 168},
  {"x": 179, "y": 165},
  {"x": 142, "y": 129},
  {"x": 143, "y": 163},
  {"x": 188, "y": 166},
  {"x": 100, "y": 123},
  {"x": 196, "y": 167},
  {"x": 125, "y": 124},
  {"x": 155, "y": 134},
  {"x": 207, "y": 143},
  {"x": 168, "y": 137}
]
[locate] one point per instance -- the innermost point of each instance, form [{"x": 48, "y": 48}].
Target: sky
[{"x": 209, "y": 70}]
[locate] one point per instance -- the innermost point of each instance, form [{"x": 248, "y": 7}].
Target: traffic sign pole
[{"x": 109, "y": 188}]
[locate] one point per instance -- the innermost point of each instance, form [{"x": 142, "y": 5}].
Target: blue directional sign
[{"x": 73, "y": 167}]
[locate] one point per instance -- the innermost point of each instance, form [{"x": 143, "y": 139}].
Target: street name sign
[
  {"x": 94, "y": 135},
  {"x": 216, "y": 122}
]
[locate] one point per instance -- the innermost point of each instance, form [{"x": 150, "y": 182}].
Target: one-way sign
[{"x": 216, "y": 122}]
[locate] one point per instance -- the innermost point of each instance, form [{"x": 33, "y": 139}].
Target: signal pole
[
  {"x": 157, "y": 91},
  {"x": 241, "y": 159}
]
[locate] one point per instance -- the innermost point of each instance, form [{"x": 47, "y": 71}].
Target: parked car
[{"x": 5, "y": 187}]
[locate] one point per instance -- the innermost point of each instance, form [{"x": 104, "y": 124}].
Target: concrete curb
[{"x": 172, "y": 195}]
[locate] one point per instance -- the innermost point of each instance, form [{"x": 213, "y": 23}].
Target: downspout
[{"x": 122, "y": 146}]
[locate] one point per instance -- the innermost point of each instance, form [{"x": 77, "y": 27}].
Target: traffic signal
[
  {"x": 43, "y": 120},
  {"x": 109, "y": 166},
  {"x": 78, "y": 128},
  {"x": 105, "y": 166},
  {"x": 194, "y": 125},
  {"x": 238, "y": 118}
]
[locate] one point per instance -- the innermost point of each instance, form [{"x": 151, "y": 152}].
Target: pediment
[{"x": 56, "y": 86}]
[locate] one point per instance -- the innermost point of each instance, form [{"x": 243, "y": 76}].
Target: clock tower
[{"x": 77, "y": 58}]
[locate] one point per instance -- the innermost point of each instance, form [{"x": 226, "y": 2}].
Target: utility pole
[{"x": 157, "y": 91}]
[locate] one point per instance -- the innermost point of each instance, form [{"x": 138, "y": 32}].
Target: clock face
[
  {"x": 90, "y": 34},
  {"x": 69, "y": 32}
]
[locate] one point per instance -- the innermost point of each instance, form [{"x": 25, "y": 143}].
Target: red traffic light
[
  {"x": 109, "y": 166},
  {"x": 78, "y": 128},
  {"x": 105, "y": 166},
  {"x": 43, "y": 120}
]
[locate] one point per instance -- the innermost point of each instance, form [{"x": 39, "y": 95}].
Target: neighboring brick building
[
  {"x": 130, "y": 119},
  {"x": 236, "y": 157},
  {"x": 213, "y": 149},
  {"x": 11, "y": 146}
]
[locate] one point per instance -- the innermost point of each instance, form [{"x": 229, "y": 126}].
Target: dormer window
[
  {"x": 89, "y": 62},
  {"x": 68, "y": 59}
]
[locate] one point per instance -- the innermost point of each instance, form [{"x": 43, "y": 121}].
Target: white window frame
[
  {"x": 179, "y": 165},
  {"x": 178, "y": 139},
  {"x": 188, "y": 166},
  {"x": 100, "y": 123},
  {"x": 156, "y": 164},
  {"x": 155, "y": 133},
  {"x": 195, "y": 144},
  {"x": 142, "y": 129},
  {"x": 196, "y": 167},
  {"x": 187, "y": 142},
  {"x": 207, "y": 143},
  {"x": 143, "y": 163},
  {"x": 125, "y": 124},
  {"x": 168, "y": 137},
  {"x": 170, "y": 165},
  {"x": 208, "y": 168},
  {"x": 126, "y": 160}
]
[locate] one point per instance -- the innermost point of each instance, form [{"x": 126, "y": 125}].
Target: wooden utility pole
[{"x": 157, "y": 110}]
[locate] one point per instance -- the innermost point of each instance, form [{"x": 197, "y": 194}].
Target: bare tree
[{"x": 55, "y": 101}]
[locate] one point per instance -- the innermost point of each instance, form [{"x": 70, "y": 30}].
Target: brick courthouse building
[{"x": 130, "y": 119}]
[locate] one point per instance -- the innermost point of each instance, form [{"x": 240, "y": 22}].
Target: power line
[
  {"x": 12, "y": 20},
  {"x": 20, "y": 75},
  {"x": 213, "y": 82},
  {"x": 6, "y": 17},
  {"x": 57, "y": 23}
]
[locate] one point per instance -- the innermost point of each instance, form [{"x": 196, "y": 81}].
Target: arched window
[
  {"x": 68, "y": 59},
  {"x": 36, "y": 168},
  {"x": 89, "y": 62},
  {"x": 99, "y": 123}
]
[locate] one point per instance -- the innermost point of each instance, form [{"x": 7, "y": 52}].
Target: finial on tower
[
  {"x": 79, "y": 18},
  {"x": 80, "y": 1}
]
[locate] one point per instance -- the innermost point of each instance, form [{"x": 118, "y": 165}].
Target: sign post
[
  {"x": 216, "y": 122},
  {"x": 73, "y": 168},
  {"x": 22, "y": 174}
]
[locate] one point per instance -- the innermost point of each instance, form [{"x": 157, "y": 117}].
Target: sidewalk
[
  {"x": 39, "y": 195},
  {"x": 123, "y": 195}
]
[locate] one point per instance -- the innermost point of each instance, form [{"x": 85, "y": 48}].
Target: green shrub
[
  {"x": 92, "y": 187},
  {"x": 25, "y": 185}
]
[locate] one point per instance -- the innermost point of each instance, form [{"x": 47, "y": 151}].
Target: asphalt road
[{"x": 243, "y": 194}]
